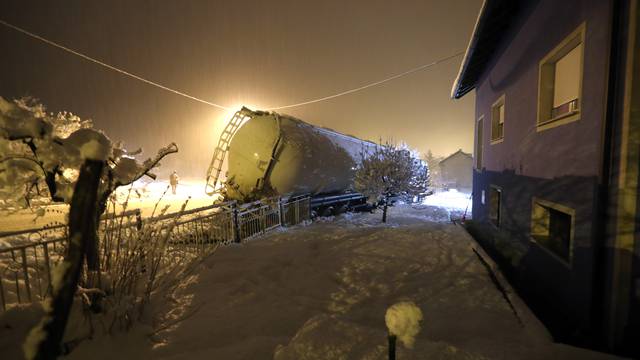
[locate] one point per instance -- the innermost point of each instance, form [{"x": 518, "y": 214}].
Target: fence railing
[
  {"x": 296, "y": 211},
  {"x": 26, "y": 267}
]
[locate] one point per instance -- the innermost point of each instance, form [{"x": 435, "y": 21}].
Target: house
[
  {"x": 456, "y": 170},
  {"x": 557, "y": 157}
]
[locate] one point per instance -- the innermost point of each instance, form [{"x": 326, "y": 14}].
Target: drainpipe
[{"x": 604, "y": 254}]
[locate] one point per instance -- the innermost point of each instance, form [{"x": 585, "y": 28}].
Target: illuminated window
[
  {"x": 495, "y": 200},
  {"x": 552, "y": 227},
  {"x": 560, "y": 82},
  {"x": 497, "y": 121}
]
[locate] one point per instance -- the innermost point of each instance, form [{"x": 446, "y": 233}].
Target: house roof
[
  {"x": 459, "y": 152},
  {"x": 493, "y": 20}
]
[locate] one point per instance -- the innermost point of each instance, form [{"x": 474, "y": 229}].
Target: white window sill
[
  {"x": 496, "y": 141},
  {"x": 559, "y": 120}
]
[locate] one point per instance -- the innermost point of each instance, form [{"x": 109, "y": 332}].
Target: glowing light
[{"x": 225, "y": 117}]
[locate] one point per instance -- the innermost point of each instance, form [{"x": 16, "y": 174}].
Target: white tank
[{"x": 273, "y": 154}]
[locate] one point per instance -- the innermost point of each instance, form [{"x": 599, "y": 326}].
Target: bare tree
[{"x": 389, "y": 171}]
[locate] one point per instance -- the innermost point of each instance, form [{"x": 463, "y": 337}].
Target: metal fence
[
  {"x": 26, "y": 267},
  {"x": 257, "y": 219},
  {"x": 296, "y": 211}
]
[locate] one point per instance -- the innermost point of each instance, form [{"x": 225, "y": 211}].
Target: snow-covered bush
[
  {"x": 391, "y": 171},
  {"x": 40, "y": 154},
  {"x": 77, "y": 165}
]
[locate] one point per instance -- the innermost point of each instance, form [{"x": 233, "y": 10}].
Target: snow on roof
[
  {"x": 493, "y": 21},
  {"x": 465, "y": 61}
]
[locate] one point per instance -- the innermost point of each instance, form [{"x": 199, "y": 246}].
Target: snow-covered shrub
[
  {"x": 40, "y": 150},
  {"x": 40, "y": 154}
]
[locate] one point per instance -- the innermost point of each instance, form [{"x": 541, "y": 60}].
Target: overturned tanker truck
[{"x": 269, "y": 154}]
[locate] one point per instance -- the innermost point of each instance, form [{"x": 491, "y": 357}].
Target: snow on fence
[
  {"x": 258, "y": 220},
  {"x": 26, "y": 267}
]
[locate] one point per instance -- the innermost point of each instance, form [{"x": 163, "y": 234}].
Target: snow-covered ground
[
  {"x": 457, "y": 203},
  {"x": 320, "y": 291}
]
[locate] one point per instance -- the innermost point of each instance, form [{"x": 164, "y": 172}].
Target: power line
[
  {"x": 177, "y": 92},
  {"x": 52, "y": 43},
  {"x": 422, "y": 67}
]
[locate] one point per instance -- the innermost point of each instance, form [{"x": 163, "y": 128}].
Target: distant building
[
  {"x": 456, "y": 171},
  {"x": 557, "y": 159}
]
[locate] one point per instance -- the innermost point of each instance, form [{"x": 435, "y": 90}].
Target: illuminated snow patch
[{"x": 451, "y": 200}]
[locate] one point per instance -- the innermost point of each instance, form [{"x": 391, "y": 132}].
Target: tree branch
[{"x": 151, "y": 163}]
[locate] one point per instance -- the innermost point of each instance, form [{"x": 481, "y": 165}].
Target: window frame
[
  {"x": 494, "y": 106},
  {"x": 560, "y": 208},
  {"x": 546, "y": 74}
]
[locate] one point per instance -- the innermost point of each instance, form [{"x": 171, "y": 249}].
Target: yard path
[{"x": 321, "y": 291}]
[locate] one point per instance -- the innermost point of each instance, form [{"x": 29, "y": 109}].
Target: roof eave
[{"x": 458, "y": 91}]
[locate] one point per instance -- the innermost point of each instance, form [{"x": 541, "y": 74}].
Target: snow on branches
[
  {"x": 390, "y": 170},
  {"x": 38, "y": 148}
]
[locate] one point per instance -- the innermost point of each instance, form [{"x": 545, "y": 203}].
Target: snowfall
[{"x": 320, "y": 291}]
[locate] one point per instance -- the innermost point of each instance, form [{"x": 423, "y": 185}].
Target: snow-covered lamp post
[{"x": 403, "y": 322}]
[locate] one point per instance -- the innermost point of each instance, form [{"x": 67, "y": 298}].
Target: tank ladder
[{"x": 220, "y": 152}]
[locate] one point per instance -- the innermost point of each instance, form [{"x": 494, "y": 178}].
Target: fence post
[
  {"x": 82, "y": 231},
  {"x": 47, "y": 267},
  {"x": 143, "y": 257},
  {"x": 4, "y": 304},
  {"x": 281, "y": 212},
  {"x": 236, "y": 224},
  {"x": 25, "y": 270},
  {"x": 138, "y": 220}
]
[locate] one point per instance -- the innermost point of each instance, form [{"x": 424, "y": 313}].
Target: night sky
[{"x": 257, "y": 53}]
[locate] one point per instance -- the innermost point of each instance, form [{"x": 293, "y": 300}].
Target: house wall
[{"x": 561, "y": 164}]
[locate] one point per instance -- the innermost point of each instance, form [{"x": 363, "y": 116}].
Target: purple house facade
[{"x": 556, "y": 158}]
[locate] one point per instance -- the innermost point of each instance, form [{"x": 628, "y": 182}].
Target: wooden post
[
  {"x": 392, "y": 347},
  {"x": 82, "y": 230}
]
